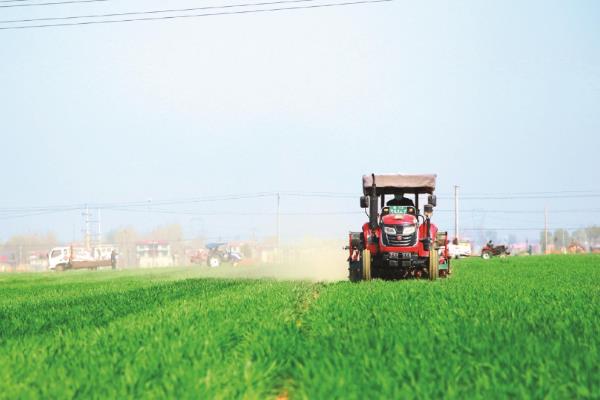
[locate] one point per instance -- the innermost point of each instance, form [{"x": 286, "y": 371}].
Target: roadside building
[{"x": 154, "y": 253}]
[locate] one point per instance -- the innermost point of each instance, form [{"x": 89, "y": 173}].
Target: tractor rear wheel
[
  {"x": 486, "y": 255},
  {"x": 366, "y": 265},
  {"x": 434, "y": 264}
]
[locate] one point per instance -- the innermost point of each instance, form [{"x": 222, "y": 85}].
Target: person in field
[{"x": 113, "y": 259}]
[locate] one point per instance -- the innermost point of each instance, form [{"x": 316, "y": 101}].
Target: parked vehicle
[
  {"x": 70, "y": 258},
  {"x": 460, "y": 249}
]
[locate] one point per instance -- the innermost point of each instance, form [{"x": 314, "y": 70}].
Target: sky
[{"x": 500, "y": 98}]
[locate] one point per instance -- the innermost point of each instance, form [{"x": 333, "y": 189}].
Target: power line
[
  {"x": 56, "y": 3},
  {"x": 506, "y": 196},
  {"x": 138, "y": 203},
  {"x": 336, "y": 212},
  {"x": 237, "y": 213},
  {"x": 17, "y": 212},
  {"x": 541, "y": 211},
  {"x": 541, "y": 229},
  {"x": 334, "y": 195},
  {"x": 530, "y": 197},
  {"x": 152, "y": 210},
  {"x": 35, "y": 214},
  {"x": 154, "y": 11},
  {"x": 169, "y": 17},
  {"x": 535, "y": 193},
  {"x": 320, "y": 195}
]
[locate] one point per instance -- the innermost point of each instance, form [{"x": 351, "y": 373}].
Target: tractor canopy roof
[{"x": 399, "y": 183}]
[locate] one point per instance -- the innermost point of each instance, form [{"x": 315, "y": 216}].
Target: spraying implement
[{"x": 399, "y": 241}]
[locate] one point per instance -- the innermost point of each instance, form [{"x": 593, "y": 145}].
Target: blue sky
[{"x": 497, "y": 97}]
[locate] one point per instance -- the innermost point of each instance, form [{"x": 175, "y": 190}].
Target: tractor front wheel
[
  {"x": 434, "y": 264},
  {"x": 366, "y": 265}
]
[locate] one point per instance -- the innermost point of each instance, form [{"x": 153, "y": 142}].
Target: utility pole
[
  {"x": 86, "y": 232},
  {"x": 546, "y": 230},
  {"x": 278, "y": 218},
  {"x": 99, "y": 227},
  {"x": 456, "y": 213}
]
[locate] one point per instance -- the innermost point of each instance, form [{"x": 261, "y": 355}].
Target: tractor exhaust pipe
[{"x": 373, "y": 205}]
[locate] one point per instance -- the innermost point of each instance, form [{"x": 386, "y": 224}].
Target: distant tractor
[
  {"x": 489, "y": 251},
  {"x": 219, "y": 253},
  {"x": 399, "y": 241}
]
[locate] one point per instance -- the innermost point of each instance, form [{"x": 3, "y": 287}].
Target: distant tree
[
  {"x": 21, "y": 246},
  {"x": 171, "y": 232},
  {"x": 34, "y": 240},
  {"x": 593, "y": 234},
  {"x": 561, "y": 238},
  {"x": 586, "y": 237},
  {"x": 124, "y": 240},
  {"x": 246, "y": 250},
  {"x": 543, "y": 242}
]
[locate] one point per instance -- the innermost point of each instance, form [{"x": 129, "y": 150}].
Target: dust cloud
[
  {"x": 326, "y": 263},
  {"x": 317, "y": 261}
]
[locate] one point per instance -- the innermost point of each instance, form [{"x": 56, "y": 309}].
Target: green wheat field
[{"x": 519, "y": 327}]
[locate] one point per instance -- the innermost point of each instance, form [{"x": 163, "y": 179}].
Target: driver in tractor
[
  {"x": 400, "y": 200},
  {"x": 490, "y": 244}
]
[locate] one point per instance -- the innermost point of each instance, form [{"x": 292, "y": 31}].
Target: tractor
[
  {"x": 489, "y": 251},
  {"x": 398, "y": 242},
  {"x": 219, "y": 253}
]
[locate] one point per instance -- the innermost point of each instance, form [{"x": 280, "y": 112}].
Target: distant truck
[
  {"x": 460, "y": 249},
  {"x": 71, "y": 258}
]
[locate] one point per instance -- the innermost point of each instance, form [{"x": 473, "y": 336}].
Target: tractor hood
[{"x": 398, "y": 219}]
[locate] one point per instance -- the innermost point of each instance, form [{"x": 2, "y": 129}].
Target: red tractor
[
  {"x": 489, "y": 250},
  {"x": 398, "y": 241}
]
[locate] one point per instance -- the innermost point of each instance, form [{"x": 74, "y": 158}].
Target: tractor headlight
[
  {"x": 409, "y": 229},
  {"x": 390, "y": 230}
]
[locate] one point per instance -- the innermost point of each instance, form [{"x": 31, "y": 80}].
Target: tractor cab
[{"x": 399, "y": 240}]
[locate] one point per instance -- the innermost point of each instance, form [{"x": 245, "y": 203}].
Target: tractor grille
[{"x": 399, "y": 240}]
